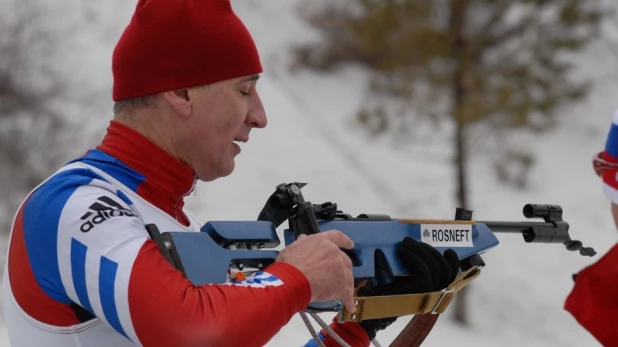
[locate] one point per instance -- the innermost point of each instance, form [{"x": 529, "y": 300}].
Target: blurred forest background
[
  {"x": 469, "y": 78},
  {"x": 498, "y": 67}
]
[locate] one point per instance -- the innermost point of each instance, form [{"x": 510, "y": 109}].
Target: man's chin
[
  {"x": 227, "y": 169},
  {"x": 209, "y": 177}
]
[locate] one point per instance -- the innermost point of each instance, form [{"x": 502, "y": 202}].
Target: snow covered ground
[{"x": 517, "y": 300}]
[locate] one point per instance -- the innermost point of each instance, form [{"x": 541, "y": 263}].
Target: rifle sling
[
  {"x": 372, "y": 307},
  {"x": 416, "y": 331}
]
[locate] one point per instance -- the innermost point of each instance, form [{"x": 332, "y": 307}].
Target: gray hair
[{"x": 134, "y": 104}]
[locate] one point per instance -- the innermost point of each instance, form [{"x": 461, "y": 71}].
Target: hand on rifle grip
[
  {"x": 326, "y": 267},
  {"x": 429, "y": 271}
]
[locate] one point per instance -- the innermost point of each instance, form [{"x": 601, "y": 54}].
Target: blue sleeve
[{"x": 313, "y": 343}]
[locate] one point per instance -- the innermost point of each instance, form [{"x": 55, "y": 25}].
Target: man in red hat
[
  {"x": 81, "y": 268},
  {"x": 594, "y": 298}
]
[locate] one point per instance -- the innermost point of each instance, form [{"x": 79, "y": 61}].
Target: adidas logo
[{"x": 103, "y": 209}]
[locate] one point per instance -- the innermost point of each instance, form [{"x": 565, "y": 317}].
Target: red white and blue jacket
[
  {"x": 593, "y": 301},
  {"x": 82, "y": 270}
]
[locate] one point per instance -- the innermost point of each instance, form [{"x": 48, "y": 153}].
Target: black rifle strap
[{"x": 81, "y": 313}]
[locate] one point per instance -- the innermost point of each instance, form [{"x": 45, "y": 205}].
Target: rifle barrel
[{"x": 514, "y": 227}]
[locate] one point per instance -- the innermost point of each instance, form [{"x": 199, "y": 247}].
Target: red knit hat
[{"x": 172, "y": 44}]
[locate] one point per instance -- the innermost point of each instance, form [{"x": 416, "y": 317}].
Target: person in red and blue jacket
[
  {"x": 81, "y": 269},
  {"x": 593, "y": 301}
]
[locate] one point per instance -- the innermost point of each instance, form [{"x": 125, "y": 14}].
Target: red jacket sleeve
[
  {"x": 594, "y": 298},
  {"x": 168, "y": 310}
]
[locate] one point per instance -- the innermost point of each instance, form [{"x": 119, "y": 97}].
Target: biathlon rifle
[{"x": 222, "y": 247}]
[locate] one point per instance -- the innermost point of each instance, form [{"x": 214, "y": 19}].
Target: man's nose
[{"x": 256, "y": 117}]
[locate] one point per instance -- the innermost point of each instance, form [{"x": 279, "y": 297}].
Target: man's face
[{"x": 221, "y": 114}]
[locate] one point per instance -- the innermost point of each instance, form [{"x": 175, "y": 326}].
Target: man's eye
[{"x": 244, "y": 93}]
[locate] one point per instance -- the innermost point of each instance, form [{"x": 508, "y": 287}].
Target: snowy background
[{"x": 517, "y": 300}]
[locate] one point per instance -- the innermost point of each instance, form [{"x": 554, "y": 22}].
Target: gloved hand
[{"x": 429, "y": 271}]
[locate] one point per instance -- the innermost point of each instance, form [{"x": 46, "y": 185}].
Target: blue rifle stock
[{"x": 205, "y": 257}]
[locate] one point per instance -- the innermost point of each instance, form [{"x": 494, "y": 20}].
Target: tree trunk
[
  {"x": 457, "y": 25},
  {"x": 461, "y": 307}
]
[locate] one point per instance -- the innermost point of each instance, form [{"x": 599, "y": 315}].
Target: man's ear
[{"x": 179, "y": 101}]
